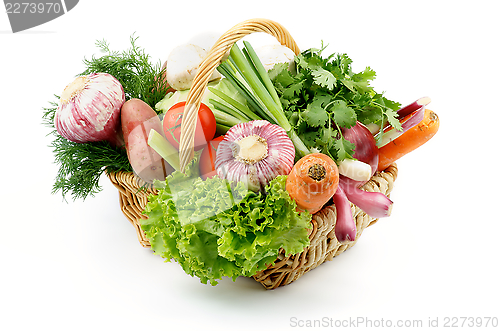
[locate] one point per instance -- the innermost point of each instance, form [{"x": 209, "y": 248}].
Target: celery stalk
[{"x": 164, "y": 148}]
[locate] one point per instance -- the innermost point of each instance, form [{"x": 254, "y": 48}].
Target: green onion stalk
[{"x": 245, "y": 72}]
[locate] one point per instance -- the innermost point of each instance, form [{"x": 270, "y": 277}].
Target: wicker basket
[{"x": 324, "y": 245}]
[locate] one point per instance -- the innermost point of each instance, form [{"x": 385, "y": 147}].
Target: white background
[{"x": 78, "y": 265}]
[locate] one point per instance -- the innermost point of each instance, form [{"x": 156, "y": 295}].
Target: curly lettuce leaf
[{"x": 216, "y": 229}]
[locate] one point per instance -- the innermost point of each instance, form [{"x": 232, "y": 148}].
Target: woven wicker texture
[
  {"x": 324, "y": 245},
  {"x": 133, "y": 200}
]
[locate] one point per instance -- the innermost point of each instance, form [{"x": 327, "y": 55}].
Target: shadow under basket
[{"x": 286, "y": 269}]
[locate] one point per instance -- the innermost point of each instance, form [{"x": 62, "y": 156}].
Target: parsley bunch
[{"x": 322, "y": 95}]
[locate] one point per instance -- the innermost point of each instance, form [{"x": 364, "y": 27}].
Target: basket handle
[{"x": 208, "y": 66}]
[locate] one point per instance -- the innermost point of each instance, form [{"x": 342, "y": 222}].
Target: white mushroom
[
  {"x": 182, "y": 66},
  {"x": 272, "y": 54}
]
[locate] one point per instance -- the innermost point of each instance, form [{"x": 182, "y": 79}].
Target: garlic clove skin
[
  {"x": 254, "y": 153},
  {"x": 89, "y": 109}
]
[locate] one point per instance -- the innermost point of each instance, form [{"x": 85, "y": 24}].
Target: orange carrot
[
  {"x": 409, "y": 141},
  {"x": 313, "y": 181}
]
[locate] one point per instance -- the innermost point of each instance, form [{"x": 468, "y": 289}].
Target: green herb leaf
[
  {"x": 391, "y": 116},
  {"x": 344, "y": 148},
  {"x": 350, "y": 98},
  {"x": 343, "y": 115},
  {"x": 316, "y": 114},
  {"x": 81, "y": 166},
  {"x": 362, "y": 80},
  {"x": 324, "y": 78},
  {"x": 281, "y": 70}
]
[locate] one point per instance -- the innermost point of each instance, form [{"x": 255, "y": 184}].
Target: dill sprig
[
  {"x": 133, "y": 69},
  {"x": 81, "y": 165}
]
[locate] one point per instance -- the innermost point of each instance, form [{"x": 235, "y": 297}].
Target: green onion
[
  {"x": 252, "y": 101},
  {"x": 225, "y": 118},
  {"x": 259, "y": 88},
  {"x": 229, "y": 110},
  {"x": 252, "y": 55},
  {"x": 221, "y": 129},
  {"x": 236, "y": 106},
  {"x": 248, "y": 76},
  {"x": 300, "y": 148}
]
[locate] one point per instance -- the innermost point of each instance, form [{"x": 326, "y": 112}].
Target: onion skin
[
  {"x": 409, "y": 116},
  {"x": 345, "y": 227},
  {"x": 366, "y": 148},
  {"x": 90, "y": 110},
  {"x": 375, "y": 204},
  {"x": 402, "y": 113},
  {"x": 279, "y": 160},
  {"x": 408, "y": 122},
  {"x": 414, "y": 106}
]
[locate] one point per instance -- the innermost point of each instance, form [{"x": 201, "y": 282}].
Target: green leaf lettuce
[{"x": 216, "y": 229}]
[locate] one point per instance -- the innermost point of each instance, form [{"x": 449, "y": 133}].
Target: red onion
[
  {"x": 366, "y": 149},
  {"x": 255, "y": 152},
  {"x": 410, "y": 116},
  {"x": 414, "y": 106},
  {"x": 345, "y": 227},
  {"x": 90, "y": 109},
  {"x": 375, "y": 204}
]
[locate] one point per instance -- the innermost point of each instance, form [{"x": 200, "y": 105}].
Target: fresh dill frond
[
  {"x": 82, "y": 164},
  {"x": 133, "y": 69},
  {"x": 49, "y": 114}
]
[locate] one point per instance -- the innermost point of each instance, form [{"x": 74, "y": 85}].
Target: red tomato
[
  {"x": 207, "y": 158},
  {"x": 205, "y": 127}
]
